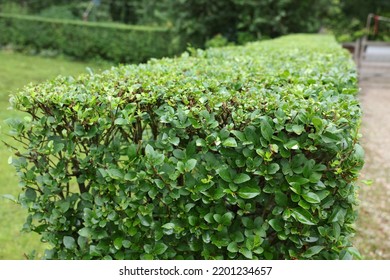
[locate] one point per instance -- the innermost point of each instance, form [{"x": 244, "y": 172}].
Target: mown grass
[{"x": 17, "y": 70}]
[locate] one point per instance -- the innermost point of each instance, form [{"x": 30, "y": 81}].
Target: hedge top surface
[
  {"x": 303, "y": 68},
  {"x": 240, "y": 152}
]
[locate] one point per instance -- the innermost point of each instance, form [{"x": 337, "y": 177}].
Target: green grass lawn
[{"x": 17, "y": 70}]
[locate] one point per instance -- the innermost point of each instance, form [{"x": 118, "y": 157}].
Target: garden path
[{"x": 373, "y": 226}]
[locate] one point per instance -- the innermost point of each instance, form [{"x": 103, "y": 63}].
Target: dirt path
[{"x": 373, "y": 226}]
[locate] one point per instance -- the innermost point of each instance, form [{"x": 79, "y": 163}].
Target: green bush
[
  {"x": 232, "y": 153},
  {"x": 85, "y": 40}
]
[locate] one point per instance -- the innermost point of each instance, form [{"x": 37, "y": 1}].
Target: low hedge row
[
  {"x": 85, "y": 40},
  {"x": 234, "y": 153}
]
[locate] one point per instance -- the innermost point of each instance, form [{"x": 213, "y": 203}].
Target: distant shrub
[
  {"x": 233, "y": 153},
  {"x": 86, "y": 40}
]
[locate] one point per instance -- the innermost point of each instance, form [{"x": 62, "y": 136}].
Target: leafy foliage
[
  {"x": 85, "y": 40},
  {"x": 233, "y": 153}
]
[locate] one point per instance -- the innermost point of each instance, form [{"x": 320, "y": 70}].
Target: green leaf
[
  {"x": 115, "y": 173},
  {"x": 298, "y": 129},
  {"x": 149, "y": 151},
  {"x": 292, "y": 145},
  {"x": 266, "y": 129},
  {"x": 168, "y": 226},
  {"x": 359, "y": 153},
  {"x": 118, "y": 243},
  {"x": 240, "y": 135},
  {"x": 190, "y": 164},
  {"x": 238, "y": 236},
  {"x": 160, "y": 248},
  {"x": 85, "y": 232},
  {"x": 318, "y": 124},
  {"x": 276, "y": 224},
  {"x": 69, "y": 242},
  {"x": 241, "y": 178},
  {"x": 31, "y": 194},
  {"x": 297, "y": 180},
  {"x": 273, "y": 168},
  {"x": 217, "y": 218},
  {"x": 148, "y": 248},
  {"x": 227, "y": 218},
  {"x": 58, "y": 147},
  {"x": 232, "y": 247},
  {"x": 230, "y": 142},
  {"x": 281, "y": 199},
  {"x": 82, "y": 242},
  {"x": 246, "y": 253},
  {"x": 120, "y": 121},
  {"x": 311, "y": 197},
  {"x": 225, "y": 175},
  {"x": 303, "y": 216},
  {"x": 354, "y": 252},
  {"x": 9, "y": 197},
  {"x": 248, "y": 192},
  {"x": 193, "y": 220},
  {"x": 314, "y": 250}
]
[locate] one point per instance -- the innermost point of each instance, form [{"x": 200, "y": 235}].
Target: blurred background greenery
[{"x": 198, "y": 21}]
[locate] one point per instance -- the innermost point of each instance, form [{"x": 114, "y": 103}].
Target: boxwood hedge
[
  {"x": 87, "y": 40},
  {"x": 234, "y": 153}
]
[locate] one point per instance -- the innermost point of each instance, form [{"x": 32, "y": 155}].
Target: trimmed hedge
[
  {"x": 86, "y": 40},
  {"x": 234, "y": 153}
]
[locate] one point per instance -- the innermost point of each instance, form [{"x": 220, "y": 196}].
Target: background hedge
[
  {"x": 85, "y": 40},
  {"x": 234, "y": 153}
]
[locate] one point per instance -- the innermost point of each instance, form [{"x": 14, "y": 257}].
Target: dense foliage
[
  {"x": 233, "y": 153},
  {"x": 86, "y": 40}
]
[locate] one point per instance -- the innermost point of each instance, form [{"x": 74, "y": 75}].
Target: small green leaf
[
  {"x": 58, "y": 147},
  {"x": 190, "y": 164},
  {"x": 303, "y": 216},
  {"x": 297, "y": 180},
  {"x": 31, "y": 194},
  {"x": 227, "y": 218},
  {"x": 232, "y": 247},
  {"x": 69, "y": 242},
  {"x": 118, "y": 243},
  {"x": 85, "y": 232},
  {"x": 311, "y": 197},
  {"x": 115, "y": 173},
  {"x": 149, "y": 151},
  {"x": 230, "y": 142},
  {"x": 193, "y": 220},
  {"x": 225, "y": 175},
  {"x": 298, "y": 129},
  {"x": 160, "y": 248},
  {"x": 292, "y": 145},
  {"x": 148, "y": 248},
  {"x": 317, "y": 122},
  {"x": 246, "y": 253},
  {"x": 266, "y": 129},
  {"x": 120, "y": 121},
  {"x": 217, "y": 218},
  {"x": 241, "y": 178},
  {"x": 9, "y": 197},
  {"x": 273, "y": 168},
  {"x": 276, "y": 224},
  {"x": 314, "y": 250},
  {"x": 168, "y": 226},
  {"x": 248, "y": 192},
  {"x": 281, "y": 199}
]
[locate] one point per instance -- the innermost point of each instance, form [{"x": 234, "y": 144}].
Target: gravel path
[{"x": 373, "y": 225}]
